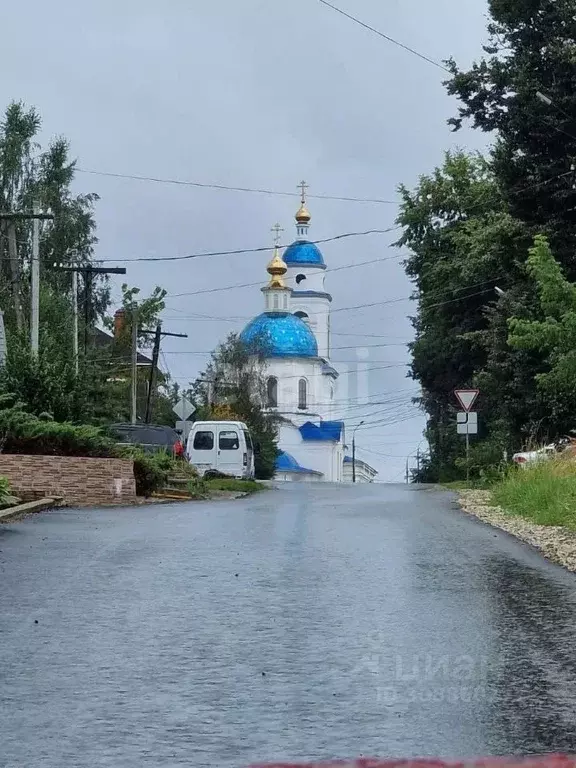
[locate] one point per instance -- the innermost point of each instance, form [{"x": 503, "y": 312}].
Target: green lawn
[
  {"x": 234, "y": 485},
  {"x": 544, "y": 493}
]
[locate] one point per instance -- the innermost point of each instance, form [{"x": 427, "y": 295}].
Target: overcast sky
[{"x": 252, "y": 93}]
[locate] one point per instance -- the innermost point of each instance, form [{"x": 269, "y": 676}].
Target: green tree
[
  {"x": 235, "y": 379},
  {"x": 531, "y": 49},
  {"x": 99, "y": 393},
  {"x": 553, "y": 334},
  {"x": 462, "y": 243},
  {"x": 28, "y": 174},
  {"x": 459, "y": 236},
  {"x": 118, "y": 357},
  {"x": 48, "y": 383}
]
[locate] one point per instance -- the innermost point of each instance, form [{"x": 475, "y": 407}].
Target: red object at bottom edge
[{"x": 541, "y": 761}]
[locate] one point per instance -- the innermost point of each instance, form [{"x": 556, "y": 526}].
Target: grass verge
[
  {"x": 233, "y": 485},
  {"x": 544, "y": 493}
]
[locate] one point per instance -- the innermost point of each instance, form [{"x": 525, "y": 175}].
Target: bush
[
  {"x": 24, "y": 433},
  {"x": 152, "y": 470},
  {"x": 6, "y": 498},
  {"x": 150, "y": 473}
]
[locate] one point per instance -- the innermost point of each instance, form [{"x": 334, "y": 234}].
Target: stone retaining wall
[{"x": 79, "y": 481}]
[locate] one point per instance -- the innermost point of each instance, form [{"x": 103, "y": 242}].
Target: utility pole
[
  {"x": 75, "y": 316},
  {"x": 87, "y": 271},
  {"x": 36, "y": 218},
  {"x": 87, "y": 308},
  {"x": 134, "y": 393},
  {"x": 35, "y": 284},
  {"x": 15, "y": 272},
  {"x": 354, "y": 451},
  {"x": 158, "y": 334}
]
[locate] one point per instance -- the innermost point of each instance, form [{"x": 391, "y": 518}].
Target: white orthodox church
[{"x": 294, "y": 330}]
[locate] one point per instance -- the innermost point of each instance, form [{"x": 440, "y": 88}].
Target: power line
[
  {"x": 259, "y": 282},
  {"x": 386, "y": 37},
  {"x": 239, "y": 251},
  {"x": 386, "y": 367},
  {"x": 368, "y": 305},
  {"x": 240, "y": 318},
  {"x": 480, "y": 204},
  {"x": 227, "y": 188}
]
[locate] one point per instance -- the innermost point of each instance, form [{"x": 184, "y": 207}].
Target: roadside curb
[
  {"x": 40, "y": 505},
  {"x": 555, "y": 543}
]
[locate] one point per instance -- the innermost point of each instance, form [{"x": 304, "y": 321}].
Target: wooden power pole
[
  {"x": 36, "y": 217},
  {"x": 158, "y": 334}
]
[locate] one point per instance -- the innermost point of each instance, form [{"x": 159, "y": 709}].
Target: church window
[
  {"x": 303, "y": 394},
  {"x": 299, "y": 279},
  {"x": 275, "y": 299},
  {"x": 272, "y": 392},
  {"x": 301, "y": 315}
]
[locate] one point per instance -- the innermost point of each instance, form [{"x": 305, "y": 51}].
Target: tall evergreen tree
[{"x": 531, "y": 50}]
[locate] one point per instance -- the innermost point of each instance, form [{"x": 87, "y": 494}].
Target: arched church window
[
  {"x": 303, "y": 394},
  {"x": 301, "y": 315},
  {"x": 299, "y": 279},
  {"x": 272, "y": 392},
  {"x": 276, "y": 301}
]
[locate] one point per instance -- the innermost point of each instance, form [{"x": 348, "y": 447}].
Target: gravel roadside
[{"x": 555, "y": 542}]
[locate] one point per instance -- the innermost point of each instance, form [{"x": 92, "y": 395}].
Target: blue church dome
[
  {"x": 281, "y": 335},
  {"x": 303, "y": 252}
]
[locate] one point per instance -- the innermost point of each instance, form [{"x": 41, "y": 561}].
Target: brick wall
[{"x": 80, "y": 481}]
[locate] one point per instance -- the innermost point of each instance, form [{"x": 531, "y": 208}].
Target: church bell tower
[{"x": 305, "y": 276}]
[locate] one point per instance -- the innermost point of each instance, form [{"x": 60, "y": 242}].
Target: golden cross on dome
[
  {"x": 303, "y": 187},
  {"x": 277, "y": 229}
]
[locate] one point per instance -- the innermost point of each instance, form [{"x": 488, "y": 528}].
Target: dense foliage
[
  {"x": 6, "y": 497},
  {"x": 233, "y": 387},
  {"x": 99, "y": 392},
  {"x": 25, "y": 433},
  {"x": 469, "y": 228}
]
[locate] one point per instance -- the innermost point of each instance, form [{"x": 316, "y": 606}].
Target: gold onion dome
[
  {"x": 303, "y": 214},
  {"x": 277, "y": 269}
]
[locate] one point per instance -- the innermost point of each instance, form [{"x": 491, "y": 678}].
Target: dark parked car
[{"x": 149, "y": 437}]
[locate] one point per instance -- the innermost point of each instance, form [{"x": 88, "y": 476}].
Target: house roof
[
  {"x": 287, "y": 463},
  {"x": 101, "y": 340},
  {"x": 324, "y": 430},
  {"x": 359, "y": 462}
]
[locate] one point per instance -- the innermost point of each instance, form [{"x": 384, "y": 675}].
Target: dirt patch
[{"x": 555, "y": 542}]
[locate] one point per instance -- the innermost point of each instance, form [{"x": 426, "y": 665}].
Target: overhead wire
[
  {"x": 351, "y": 265},
  {"x": 241, "y": 251},
  {"x": 392, "y": 40},
  {"x": 230, "y": 188}
]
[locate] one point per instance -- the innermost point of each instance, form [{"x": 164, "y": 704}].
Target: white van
[{"x": 225, "y": 446}]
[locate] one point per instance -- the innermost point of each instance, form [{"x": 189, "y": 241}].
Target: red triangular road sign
[{"x": 467, "y": 397}]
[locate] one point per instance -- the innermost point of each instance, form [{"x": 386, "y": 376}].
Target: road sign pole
[{"x": 467, "y": 458}]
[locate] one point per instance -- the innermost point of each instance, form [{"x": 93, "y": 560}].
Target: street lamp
[{"x": 354, "y": 451}]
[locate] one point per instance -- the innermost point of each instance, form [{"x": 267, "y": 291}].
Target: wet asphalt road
[{"x": 304, "y": 623}]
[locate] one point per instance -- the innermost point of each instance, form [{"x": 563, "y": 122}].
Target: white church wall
[
  {"x": 296, "y": 477},
  {"x": 313, "y": 278},
  {"x": 317, "y": 308},
  {"x": 288, "y": 372},
  {"x": 323, "y": 456}
]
